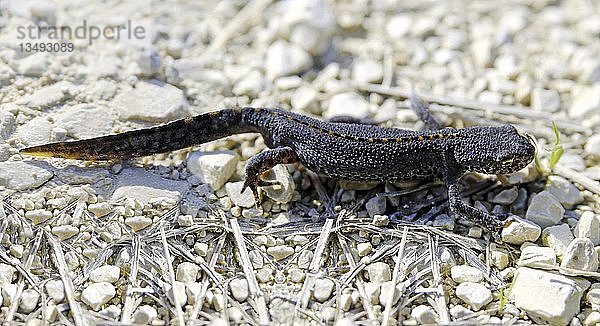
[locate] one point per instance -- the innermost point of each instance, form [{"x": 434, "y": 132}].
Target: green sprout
[
  {"x": 504, "y": 296},
  {"x": 557, "y": 150}
]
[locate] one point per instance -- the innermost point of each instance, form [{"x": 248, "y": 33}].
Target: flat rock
[
  {"x": 520, "y": 231},
  {"x": 48, "y": 95},
  {"x": 33, "y": 66},
  {"x": 580, "y": 255},
  {"x": 537, "y": 257},
  {"x": 280, "y": 252},
  {"x": 465, "y": 273},
  {"x": 545, "y": 100},
  {"x": 137, "y": 223},
  {"x": 284, "y": 59},
  {"x": 588, "y": 226},
  {"x": 137, "y": 183},
  {"x": 347, "y": 104},
  {"x": 586, "y": 102},
  {"x": 213, "y": 168},
  {"x": 22, "y": 175},
  {"x": 561, "y": 296},
  {"x": 86, "y": 121},
  {"x": 566, "y": 193},
  {"x": 474, "y": 294},
  {"x": 545, "y": 209},
  {"x": 151, "y": 101},
  {"x": 97, "y": 294},
  {"x": 557, "y": 237}
]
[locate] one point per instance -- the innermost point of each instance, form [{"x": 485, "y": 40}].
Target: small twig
[
  {"x": 440, "y": 295},
  {"x": 176, "y": 302},
  {"x": 390, "y": 298},
  {"x": 129, "y": 303}
]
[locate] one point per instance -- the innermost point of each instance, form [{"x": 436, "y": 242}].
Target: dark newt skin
[{"x": 347, "y": 151}]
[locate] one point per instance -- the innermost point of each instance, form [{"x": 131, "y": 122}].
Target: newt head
[{"x": 493, "y": 150}]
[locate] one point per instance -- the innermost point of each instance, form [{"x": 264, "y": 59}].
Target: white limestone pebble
[
  {"x": 29, "y": 300},
  {"x": 97, "y": 294},
  {"x": 588, "y": 226},
  {"x": 499, "y": 258},
  {"x": 474, "y": 294},
  {"x": 380, "y": 220},
  {"x": 239, "y": 289},
  {"x": 213, "y": 168},
  {"x": 151, "y": 101},
  {"x": 285, "y": 59},
  {"x": 86, "y": 120},
  {"x": 22, "y": 176},
  {"x": 424, "y": 315},
  {"x": 557, "y": 237},
  {"x": 592, "y": 145},
  {"x": 250, "y": 84},
  {"x": 466, "y": 273},
  {"x": 106, "y": 273},
  {"x": 545, "y": 209},
  {"x": 545, "y": 100},
  {"x": 592, "y": 319},
  {"x": 55, "y": 290},
  {"x": 9, "y": 291},
  {"x": 296, "y": 275},
  {"x": 537, "y": 257},
  {"x": 64, "y": 232},
  {"x": 144, "y": 315},
  {"x": 372, "y": 291},
  {"x": 137, "y": 223},
  {"x": 580, "y": 255},
  {"x": 7, "y": 272},
  {"x": 367, "y": 71},
  {"x": 379, "y": 272},
  {"x": 364, "y": 248},
  {"x": 566, "y": 193},
  {"x": 242, "y": 199},
  {"x": 33, "y": 65},
  {"x": 284, "y": 191},
  {"x": 347, "y": 104},
  {"x": 386, "y": 292},
  {"x": 305, "y": 98},
  {"x": 593, "y": 297},
  {"x": 280, "y": 252},
  {"x": 586, "y": 102},
  {"x": 322, "y": 289},
  {"x": 177, "y": 291},
  {"x": 138, "y": 184},
  {"x": 520, "y": 231},
  {"x": 548, "y": 297},
  {"x": 38, "y": 216},
  {"x": 187, "y": 272},
  {"x": 100, "y": 209}
]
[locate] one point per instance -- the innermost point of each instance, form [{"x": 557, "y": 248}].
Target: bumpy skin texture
[{"x": 340, "y": 150}]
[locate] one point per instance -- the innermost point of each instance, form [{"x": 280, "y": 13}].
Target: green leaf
[{"x": 557, "y": 149}]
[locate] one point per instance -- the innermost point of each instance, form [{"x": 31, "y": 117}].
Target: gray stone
[
  {"x": 572, "y": 161},
  {"x": 239, "y": 198},
  {"x": 537, "y": 257},
  {"x": 588, "y": 226},
  {"x": 280, "y": 252},
  {"x": 7, "y": 123},
  {"x": 284, "y": 59},
  {"x": 545, "y": 209},
  {"x": 348, "y": 104},
  {"x": 97, "y": 294},
  {"x": 545, "y": 100},
  {"x": 580, "y": 255},
  {"x": 322, "y": 289},
  {"x": 560, "y": 295},
  {"x": 364, "y": 248},
  {"x": 586, "y": 102},
  {"x": 36, "y": 131},
  {"x": 386, "y": 292},
  {"x": 520, "y": 230},
  {"x": 465, "y": 273},
  {"x": 22, "y": 175},
  {"x": 86, "y": 120},
  {"x": 444, "y": 221},
  {"x": 379, "y": 272},
  {"x": 376, "y": 206},
  {"x": 506, "y": 196},
  {"x": 239, "y": 289},
  {"x": 38, "y": 216},
  {"x": 566, "y": 193},
  {"x": 29, "y": 300},
  {"x": 213, "y": 168},
  {"x": 151, "y": 101},
  {"x": 557, "y": 237},
  {"x": 106, "y": 273},
  {"x": 142, "y": 185},
  {"x": 474, "y": 294}
]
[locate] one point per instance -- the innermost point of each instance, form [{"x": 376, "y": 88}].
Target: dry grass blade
[
  {"x": 63, "y": 270},
  {"x": 129, "y": 303},
  {"x": 263, "y": 313},
  {"x": 178, "y": 311},
  {"x": 440, "y": 295},
  {"x": 390, "y": 299}
]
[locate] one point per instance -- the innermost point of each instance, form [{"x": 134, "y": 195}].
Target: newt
[{"x": 340, "y": 150}]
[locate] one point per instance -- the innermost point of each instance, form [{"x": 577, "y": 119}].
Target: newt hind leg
[
  {"x": 422, "y": 111},
  {"x": 262, "y": 162}
]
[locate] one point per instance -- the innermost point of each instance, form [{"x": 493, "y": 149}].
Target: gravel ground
[{"x": 169, "y": 239}]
